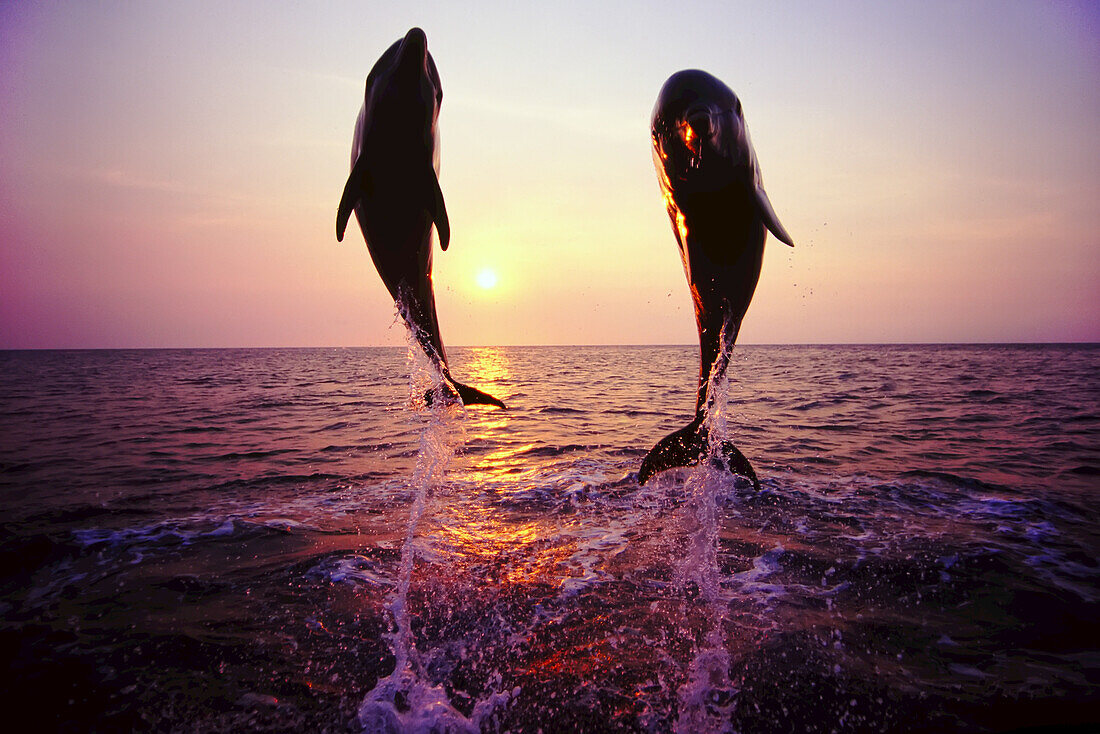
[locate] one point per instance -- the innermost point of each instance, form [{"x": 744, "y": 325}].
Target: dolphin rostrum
[
  {"x": 711, "y": 184},
  {"x": 394, "y": 190}
]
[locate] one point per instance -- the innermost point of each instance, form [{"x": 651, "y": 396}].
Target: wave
[
  {"x": 356, "y": 569},
  {"x": 956, "y": 480},
  {"x": 178, "y": 533},
  {"x": 1085, "y": 470}
]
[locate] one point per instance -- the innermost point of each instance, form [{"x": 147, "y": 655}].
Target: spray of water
[
  {"x": 705, "y": 699},
  {"x": 405, "y": 700}
]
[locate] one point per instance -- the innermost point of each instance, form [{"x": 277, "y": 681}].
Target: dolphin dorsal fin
[
  {"x": 771, "y": 221},
  {"x": 356, "y": 188}
]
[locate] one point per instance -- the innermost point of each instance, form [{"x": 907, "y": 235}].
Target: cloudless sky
[{"x": 170, "y": 171}]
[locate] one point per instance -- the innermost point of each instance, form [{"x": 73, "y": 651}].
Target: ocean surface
[{"x": 288, "y": 540}]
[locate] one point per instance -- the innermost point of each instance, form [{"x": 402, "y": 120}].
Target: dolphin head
[
  {"x": 699, "y": 130},
  {"x": 701, "y": 144},
  {"x": 415, "y": 65},
  {"x": 411, "y": 84},
  {"x": 413, "y": 51}
]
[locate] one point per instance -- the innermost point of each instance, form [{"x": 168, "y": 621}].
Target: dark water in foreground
[{"x": 213, "y": 540}]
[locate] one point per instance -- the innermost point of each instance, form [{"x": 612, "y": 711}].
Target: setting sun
[{"x": 487, "y": 278}]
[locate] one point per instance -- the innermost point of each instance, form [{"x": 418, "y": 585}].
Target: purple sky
[{"x": 171, "y": 171}]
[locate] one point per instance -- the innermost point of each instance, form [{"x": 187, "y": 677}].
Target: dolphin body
[
  {"x": 720, "y": 214},
  {"x": 394, "y": 190}
]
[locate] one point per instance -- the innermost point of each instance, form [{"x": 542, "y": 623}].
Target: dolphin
[
  {"x": 720, "y": 215},
  {"x": 394, "y": 190}
]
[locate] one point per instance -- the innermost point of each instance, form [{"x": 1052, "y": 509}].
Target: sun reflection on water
[
  {"x": 490, "y": 366},
  {"x": 493, "y": 372},
  {"x": 512, "y": 551}
]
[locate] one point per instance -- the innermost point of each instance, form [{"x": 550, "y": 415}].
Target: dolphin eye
[
  {"x": 688, "y": 134},
  {"x": 699, "y": 123}
]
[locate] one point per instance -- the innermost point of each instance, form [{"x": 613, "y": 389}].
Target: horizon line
[{"x": 558, "y": 345}]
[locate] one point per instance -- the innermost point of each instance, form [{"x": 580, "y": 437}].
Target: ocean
[{"x": 288, "y": 540}]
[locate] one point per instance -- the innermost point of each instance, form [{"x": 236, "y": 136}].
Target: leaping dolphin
[
  {"x": 394, "y": 190},
  {"x": 711, "y": 184}
]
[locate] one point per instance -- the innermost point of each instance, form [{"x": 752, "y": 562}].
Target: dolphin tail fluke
[
  {"x": 738, "y": 464},
  {"x": 686, "y": 447},
  {"x": 682, "y": 448},
  {"x": 473, "y": 396}
]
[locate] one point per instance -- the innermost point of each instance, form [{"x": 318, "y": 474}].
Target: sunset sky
[{"x": 170, "y": 172}]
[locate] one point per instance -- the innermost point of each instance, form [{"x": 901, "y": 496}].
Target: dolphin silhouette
[
  {"x": 720, "y": 215},
  {"x": 394, "y": 190}
]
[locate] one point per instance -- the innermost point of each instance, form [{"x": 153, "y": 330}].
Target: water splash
[
  {"x": 706, "y": 697},
  {"x": 405, "y": 700}
]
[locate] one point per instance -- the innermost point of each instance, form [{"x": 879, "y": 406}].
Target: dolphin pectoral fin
[
  {"x": 738, "y": 464},
  {"x": 473, "y": 396},
  {"x": 354, "y": 190},
  {"x": 438, "y": 209},
  {"x": 683, "y": 448},
  {"x": 771, "y": 221}
]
